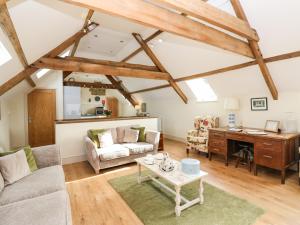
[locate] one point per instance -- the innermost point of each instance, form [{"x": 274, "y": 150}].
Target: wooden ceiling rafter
[
  {"x": 256, "y": 52},
  {"x": 223, "y": 70},
  {"x": 87, "y": 21},
  {"x": 64, "y": 64},
  {"x": 28, "y": 71},
  {"x": 89, "y": 84},
  {"x": 7, "y": 26},
  {"x": 146, "y": 13},
  {"x": 159, "y": 65}
]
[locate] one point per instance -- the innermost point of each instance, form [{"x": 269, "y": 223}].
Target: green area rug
[{"x": 155, "y": 206}]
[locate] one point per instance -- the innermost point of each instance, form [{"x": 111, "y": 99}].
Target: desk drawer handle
[
  {"x": 267, "y": 156},
  {"x": 216, "y": 149},
  {"x": 268, "y": 144}
]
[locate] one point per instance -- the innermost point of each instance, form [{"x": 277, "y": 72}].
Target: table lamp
[
  {"x": 231, "y": 105},
  {"x": 137, "y": 108}
]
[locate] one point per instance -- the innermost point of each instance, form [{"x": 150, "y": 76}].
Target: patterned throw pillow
[
  {"x": 1, "y": 182},
  {"x": 29, "y": 156},
  {"x": 142, "y": 136}
]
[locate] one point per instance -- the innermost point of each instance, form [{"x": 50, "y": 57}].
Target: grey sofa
[
  {"x": 120, "y": 153},
  {"x": 40, "y": 198}
]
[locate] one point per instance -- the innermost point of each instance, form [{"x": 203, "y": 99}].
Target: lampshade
[{"x": 231, "y": 104}]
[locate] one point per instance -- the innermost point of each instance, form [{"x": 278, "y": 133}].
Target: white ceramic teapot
[{"x": 167, "y": 163}]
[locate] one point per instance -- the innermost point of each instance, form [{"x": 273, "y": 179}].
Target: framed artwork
[
  {"x": 259, "y": 104},
  {"x": 272, "y": 125}
]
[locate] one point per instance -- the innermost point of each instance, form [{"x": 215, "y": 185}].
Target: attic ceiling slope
[{"x": 8, "y": 27}]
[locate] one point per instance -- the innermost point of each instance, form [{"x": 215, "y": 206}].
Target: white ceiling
[{"x": 43, "y": 24}]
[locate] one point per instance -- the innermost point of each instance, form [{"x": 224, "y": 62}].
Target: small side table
[{"x": 161, "y": 142}]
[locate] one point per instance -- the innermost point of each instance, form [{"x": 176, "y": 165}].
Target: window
[
  {"x": 4, "y": 55},
  {"x": 202, "y": 90}
]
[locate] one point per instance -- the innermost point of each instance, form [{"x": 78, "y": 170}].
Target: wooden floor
[{"x": 94, "y": 201}]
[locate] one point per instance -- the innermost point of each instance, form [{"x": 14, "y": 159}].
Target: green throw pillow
[
  {"x": 93, "y": 135},
  {"x": 29, "y": 156},
  {"x": 142, "y": 135}
]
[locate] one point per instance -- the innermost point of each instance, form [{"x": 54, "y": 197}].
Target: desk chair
[{"x": 244, "y": 154}]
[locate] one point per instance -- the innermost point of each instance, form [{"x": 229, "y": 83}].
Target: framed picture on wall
[{"x": 259, "y": 104}]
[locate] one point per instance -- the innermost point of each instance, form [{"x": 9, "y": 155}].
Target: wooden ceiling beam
[
  {"x": 86, "y": 23},
  {"x": 159, "y": 65},
  {"x": 28, "y": 71},
  {"x": 122, "y": 89},
  {"x": 223, "y": 70},
  {"x": 113, "y": 63},
  {"x": 89, "y": 85},
  {"x": 7, "y": 26},
  {"x": 256, "y": 51},
  {"x": 74, "y": 66},
  {"x": 163, "y": 19},
  {"x": 211, "y": 14}
]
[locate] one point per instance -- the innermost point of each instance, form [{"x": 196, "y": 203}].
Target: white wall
[
  {"x": 4, "y": 125},
  {"x": 178, "y": 118}
]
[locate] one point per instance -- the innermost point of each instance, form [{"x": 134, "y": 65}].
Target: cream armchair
[{"x": 197, "y": 139}]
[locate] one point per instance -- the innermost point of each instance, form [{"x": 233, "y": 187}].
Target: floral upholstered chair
[{"x": 197, "y": 139}]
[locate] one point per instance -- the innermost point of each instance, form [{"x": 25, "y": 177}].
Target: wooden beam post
[
  {"x": 86, "y": 23},
  {"x": 163, "y": 19},
  {"x": 122, "y": 89},
  {"x": 256, "y": 51},
  {"x": 159, "y": 65},
  {"x": 223, "y": 70},
  {"x": 7, "y": 26},
  {"x": 28, "y": 71},
  {"x": 85, "y": 67}
]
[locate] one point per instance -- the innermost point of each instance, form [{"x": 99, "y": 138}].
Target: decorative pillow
[
  {"x": 29, "y": 156},
  {"x": 131, "y": 136},
  {"x": 93, "y": 135},
  {"x": 121, "y": 133},
  {"x": 142, "y": 135},
  {"x": 1, "y": 182},
  {"x": 105, "y": 139},
  {"x": 14, "y": 167}
]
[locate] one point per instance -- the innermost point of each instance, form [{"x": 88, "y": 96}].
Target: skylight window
[
  {"x": 4, "y": 55},
  {"x": 202, "y": 90}
]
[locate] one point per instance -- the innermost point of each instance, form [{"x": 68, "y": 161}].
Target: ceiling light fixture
[{"x": 160, "y": 40}]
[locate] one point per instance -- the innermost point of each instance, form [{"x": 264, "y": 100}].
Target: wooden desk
[{"x": 276, "y": 151}]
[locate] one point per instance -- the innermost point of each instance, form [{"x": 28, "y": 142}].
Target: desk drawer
[
  {"x": 268, "y": 158},
  {"x": 217, "y": 142},
  {"x": 216, "y": 135},
  {"x": 217, "y": 149},
  {"x": 269, "y": 145}
]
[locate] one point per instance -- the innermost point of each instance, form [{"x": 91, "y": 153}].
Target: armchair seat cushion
[
  {"x": 199, "y": 140},
  {"x": 139, "y": 147},
  {"x": 112, "y": 152},
  {"x": 40, "y": 182}
]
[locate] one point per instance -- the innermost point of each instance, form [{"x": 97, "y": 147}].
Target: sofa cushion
[
  {"x": 105, "y": 139},
  {"x": 93, "y": 135},
  {"x": 1, "y": 182},
  {"x": 139, "y": 147},
  {"x": 14, "y": 167},
  {"x": 142, "y": 135},
  {"x": 131, "y": 136},
  {"x": 112, "y": 152},
  {"x": 40, "y": 182},
  {"x": 46, "y": 210}
]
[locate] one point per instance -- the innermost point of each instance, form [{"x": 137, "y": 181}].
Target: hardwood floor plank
[{"x": 95, "y": 202}]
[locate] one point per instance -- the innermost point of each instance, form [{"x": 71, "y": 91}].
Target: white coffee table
[{"x": 176, "y": 178}]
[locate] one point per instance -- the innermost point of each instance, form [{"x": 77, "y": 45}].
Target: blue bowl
[{"x": 190, "y": 166}]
